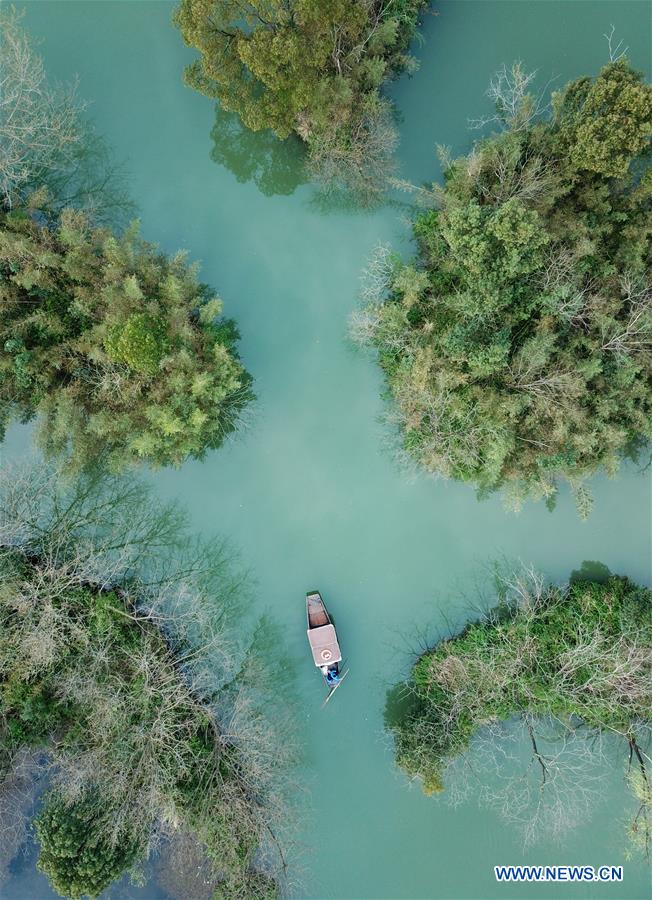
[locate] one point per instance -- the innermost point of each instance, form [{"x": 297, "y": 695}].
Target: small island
[
  {"x": 310, "y": 69},
  {"x": 121, "y": 677},
  {"x": 118, "y": 349},
  {"x": 566, "y": 660},
  {"x": 517, "y": 345}
]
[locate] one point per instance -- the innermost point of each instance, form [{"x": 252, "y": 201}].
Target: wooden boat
[{"x": 322, "y": 637}]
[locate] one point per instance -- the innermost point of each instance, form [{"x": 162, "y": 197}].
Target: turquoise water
[{"x": 310, "y": 492}]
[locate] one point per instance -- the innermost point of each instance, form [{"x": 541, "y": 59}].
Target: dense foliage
[
  {"x": 307, "y": 67},
  {"x": 518, "y": 345},
  {"x": 116, "y": 346},
  {"x": 579, "y": 655},
  {"x": 118, "y": 660},
  {"x": 75, "y": 853},
  {"x": 118, "y": 349}
]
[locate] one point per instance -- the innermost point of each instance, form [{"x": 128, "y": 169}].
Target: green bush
[{"x": 74, "y": 851}]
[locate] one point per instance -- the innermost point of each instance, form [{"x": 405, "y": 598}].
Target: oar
[{"x": 332, "y": 690}]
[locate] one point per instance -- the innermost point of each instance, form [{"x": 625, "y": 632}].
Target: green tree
[
  {"x": 564, "y": 661},
  {"x": 312, "y": 68},
  {"x": 606, "y": 121},
  {"x": 518, "y": 345},
  {"x": 117, "y": 347},
  {"x": 74, "y": 851}
]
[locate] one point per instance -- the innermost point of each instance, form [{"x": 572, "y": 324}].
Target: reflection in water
[
  {"x": 591, "y": 570},
  {"x": 400, "y": 703},
  {"x": 275, "y": 166},
  {"x": 279, "y": 166}
]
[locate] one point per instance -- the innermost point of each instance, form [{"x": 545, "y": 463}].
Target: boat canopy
[{"x": 324, "y": 646}]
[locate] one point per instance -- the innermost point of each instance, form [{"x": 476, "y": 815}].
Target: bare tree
[
  {"x": 541, "y": 777},
  {"x": 540, "y": 768},
  {"x": 48, "y": 150},
  {"x": 618, "y": 51},
  {"x": 515, "y": 106},
  {"x": 361, "y": 165},
  {"x": 184, "y": 869},
  {"x": 40, "y": 125},
  {"x": 640, "y": 782},
  {"x": 634, "y": 335},
  {"x": 109, "y": 536}
]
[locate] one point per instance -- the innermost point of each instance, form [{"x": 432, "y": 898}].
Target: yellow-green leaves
[
  {"x": 410, "y": 283},
  {"x": 119, "y": 348},
  {"x": 614, "y": 121},
  {"x": 210, "y": 310}
]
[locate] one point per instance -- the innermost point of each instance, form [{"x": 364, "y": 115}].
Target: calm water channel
[{"x": 309, "y": 493}]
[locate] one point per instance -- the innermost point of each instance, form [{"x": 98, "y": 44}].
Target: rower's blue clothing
[{"x": 332, "y": 677}]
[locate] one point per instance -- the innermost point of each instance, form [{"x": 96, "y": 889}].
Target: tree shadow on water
[
  {"x": 275, "y": 166},
  {"x": 591, "y": 570}
]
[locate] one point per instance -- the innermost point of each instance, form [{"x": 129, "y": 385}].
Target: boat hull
[{"x": 322, "y": 637}]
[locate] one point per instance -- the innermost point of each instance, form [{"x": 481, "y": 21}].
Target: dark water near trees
[{"x": 309, "y": 493}]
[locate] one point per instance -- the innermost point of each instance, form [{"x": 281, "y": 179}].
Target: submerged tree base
[
  {"x": 117, "y": 661},
  {"x": 517, "y": 345},
  {"x": 560, "y": 660}
]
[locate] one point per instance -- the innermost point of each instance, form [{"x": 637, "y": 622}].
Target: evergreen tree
[
  {"x": 307, "y": 67},
  {"x": 74, "y": 852},
  {"x": 518, "y": 345},
  {"x": 118, "y": 348}
]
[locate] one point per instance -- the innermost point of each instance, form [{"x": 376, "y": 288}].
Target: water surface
[{"x": 309, "y": 493}]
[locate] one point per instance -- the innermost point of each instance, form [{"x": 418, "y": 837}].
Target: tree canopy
[
  {"x": 117, "y": 347},
  {"x": 574, "y": 658},
  {"x": 307, "y": 67},
  {"x": 119, "y": 661},
  {"x": 75, "y": 853},
  {"x": 518, "y": 344}
]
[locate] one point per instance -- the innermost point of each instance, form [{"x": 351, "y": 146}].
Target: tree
[
  {"x": 517, "y": 346},
  {"x": 46, "y": 143},
  {"x": 606, "y": 122},
  {"x": 312, "y": 68},
  {"x": 74, "y": 851},
  {"x": 120, "y": 662},
  {"x": 118, "y": 348},
  {"x": 571, "y": 664}
]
